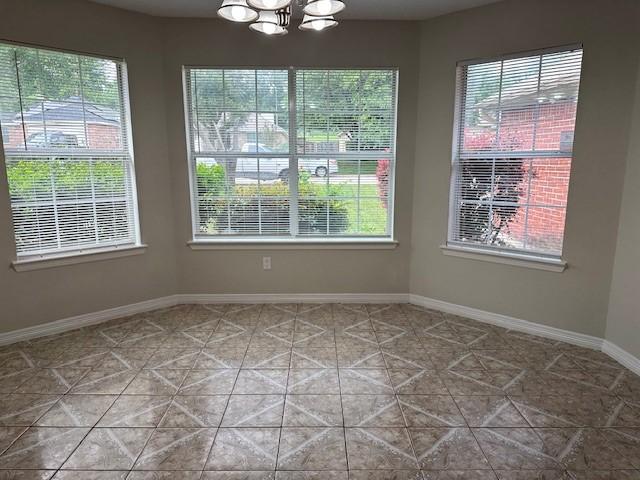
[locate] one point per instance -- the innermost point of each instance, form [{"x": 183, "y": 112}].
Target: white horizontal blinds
[
  {"x": 240, "y": 147},
  {"x": 65, "y": 136},
  {"x": 513, "y": 151},
  {"x": 239, "y": 135},
  {"x": 346, "y": 122}
]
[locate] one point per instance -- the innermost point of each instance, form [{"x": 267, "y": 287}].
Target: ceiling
[{"x": 356, "y": 9}]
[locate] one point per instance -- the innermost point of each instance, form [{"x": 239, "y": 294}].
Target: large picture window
[
  {"x": 67, "y": 149},
  {"x": 513, "y": 150},
  {"x": 291, "y": 153}
]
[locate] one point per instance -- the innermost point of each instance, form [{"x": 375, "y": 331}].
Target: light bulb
[
  {"x": 269, "y": 28},
  {"x": 270, "y": 3},
  {"x": 238, "y": 13},
  {"x": 324, "y": 7},
  {"x": 317, "y": 24}
]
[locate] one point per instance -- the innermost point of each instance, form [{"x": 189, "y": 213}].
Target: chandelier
[{"x": 273, "y": 17}]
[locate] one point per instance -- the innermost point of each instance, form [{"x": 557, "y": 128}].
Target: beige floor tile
[
  {"x": 109, "y": 449},
  {"x": 176, "y": 449}
]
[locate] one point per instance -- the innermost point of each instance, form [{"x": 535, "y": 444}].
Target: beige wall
[
  {"x": 215, "y": 43},
  {"x": 576, "y": 299},
  {"x": 426, "y": 54},
  {"x": 31, "y": 298},
  {"x": 623, "y": 323}
]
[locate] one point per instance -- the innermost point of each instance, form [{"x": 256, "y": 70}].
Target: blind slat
[
  {"x": 67, "y": 151},
  {"x": 241, "y": 159},
  {"x": 513, "y": 151}
]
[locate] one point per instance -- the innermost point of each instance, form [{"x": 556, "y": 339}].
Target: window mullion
[
  {"x": 55, "y": 205},
  {"x": 93, "y": 201},
  {"x": 491, "y": 194},
  {"x": 526, "y": 215},
  {"x": 293, "y": 157},
  {"x": 257, "y": 115}
]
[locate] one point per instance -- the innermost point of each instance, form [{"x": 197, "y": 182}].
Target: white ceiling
[{"x": 356, "y": 9}]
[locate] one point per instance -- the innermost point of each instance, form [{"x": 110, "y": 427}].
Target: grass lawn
[
  {"x": 349, "y": 167},
  {"x": 373, "y": 215},
  {"x": 367, "y": 218}
]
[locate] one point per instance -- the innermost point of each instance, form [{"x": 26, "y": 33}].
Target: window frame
[
  {"x": 496, "y": 254},
  {"x": 289, "y": 241},
  {"x": 81, "y": 254}
]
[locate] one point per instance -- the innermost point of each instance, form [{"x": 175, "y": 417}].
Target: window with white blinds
[
  {"x": 67, "y": 148},
  {"x": 291, "y": 153},
  {"x": 513, "y": 150}
]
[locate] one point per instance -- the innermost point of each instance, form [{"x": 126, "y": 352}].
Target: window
[
  {"x": 66, "y": 138},
  {"x": 513, "y": 151},
  {"x": 291, "y": 154}
]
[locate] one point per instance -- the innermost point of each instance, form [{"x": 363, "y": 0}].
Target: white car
[{"x": 279, "y": 167}]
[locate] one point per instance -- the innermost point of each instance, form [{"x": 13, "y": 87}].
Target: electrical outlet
[{"x": 266, "y": 263}]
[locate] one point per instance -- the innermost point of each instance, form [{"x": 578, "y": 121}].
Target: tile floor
[{"x": 313, "y": 392}]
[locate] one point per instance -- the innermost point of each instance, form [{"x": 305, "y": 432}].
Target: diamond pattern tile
[{"x": 313, "y": 392}]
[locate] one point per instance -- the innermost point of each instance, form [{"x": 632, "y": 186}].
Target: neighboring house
[
  {"x": 82, "y": 124},
  {"x": 329, "y": 146},
  {"x": 262, "y": 128},
  {"x": 262, "y": 125},
  {"x": 533, "y": 116}
]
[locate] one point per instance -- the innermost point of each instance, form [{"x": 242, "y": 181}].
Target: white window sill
[
  {"x": 72, "y": 258},
  {"x": 506, "y": 258},
  {"x": 294, "y": 244}
]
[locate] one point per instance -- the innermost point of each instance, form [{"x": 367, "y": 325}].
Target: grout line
[
  {"x": 344, "y": 423},
  {"x": 91, "y": 429},
  {"x": 252, "y": 328},
  {"x": 286, "y": 388},
  {"x": 215, "y": 437}
]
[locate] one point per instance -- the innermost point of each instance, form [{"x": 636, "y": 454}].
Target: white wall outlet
[{"x": 266, "y": 263}]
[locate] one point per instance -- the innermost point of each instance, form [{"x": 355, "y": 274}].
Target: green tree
[
  {"x": 223, "y": 101},
  {"x": 358, "y": 103},
  {"x": 57, "y": 76}
]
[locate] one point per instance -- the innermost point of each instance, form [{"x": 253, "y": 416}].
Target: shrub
[
  {"x": 211, "y": 186},
  {"x": 32, "y": 179},
  {"x": 487, "y": 211},
  {"x": 241, "y": 213}
]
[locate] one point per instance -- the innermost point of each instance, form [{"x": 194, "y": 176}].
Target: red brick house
[
  {"x": 79, "y": 123},
  {"x": 531, "y": 117}
]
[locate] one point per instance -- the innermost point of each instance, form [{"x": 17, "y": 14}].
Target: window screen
[
  {"x": 513, "y": 151},
  {"x": 65, "y": 133},
  {"x": 291, "y": 153}
]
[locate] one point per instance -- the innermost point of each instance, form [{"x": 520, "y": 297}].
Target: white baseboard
[
  {"x": 71, "y": 323},
  {"x": 93, "y": 318},
  {"x": 510, "y": 323},
  {"x": 79, "y": 321},
  {"x": 296, "y": 298},
  {"x": 621, "y": 356}
]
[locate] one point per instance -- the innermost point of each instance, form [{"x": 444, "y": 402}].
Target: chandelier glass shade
[
  {"x": 272, "y": 23},
  {"x": 269, "y": 4},
  {"x": 311, "y": 23},
  {"x": 273, "y": 17},
  {"x": 322, "y": 8},
  {"x": 237, "y": 11}
]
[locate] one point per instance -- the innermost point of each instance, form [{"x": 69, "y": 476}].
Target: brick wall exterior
[
  {"x": 99, "y": 136},
  {"x": 543, "y": 226}
]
